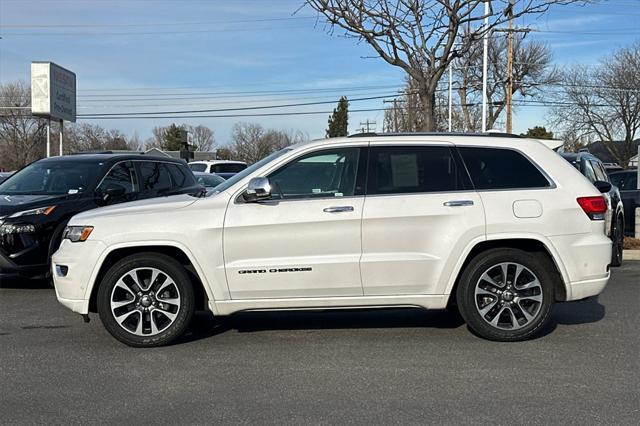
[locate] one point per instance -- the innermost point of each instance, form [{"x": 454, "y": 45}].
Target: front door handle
[
  {"x": 338, "y": 209},
  {"x": 458, "y": 203}
]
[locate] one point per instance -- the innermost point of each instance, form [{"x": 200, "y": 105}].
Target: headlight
[
  {"x": 40, "y": 210},
  {"x": 77, "y": 233}
]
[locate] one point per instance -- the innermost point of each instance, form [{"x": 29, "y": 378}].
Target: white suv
[{"x": 499, "y": 226}]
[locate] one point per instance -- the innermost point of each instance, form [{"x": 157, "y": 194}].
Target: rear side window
[
  {"x": 198, "y": 167},
  {"x": 414, "y": 169},
  {"x": 180, "y": 176},
  {"x": 228, "y": 168},
  {"x": 496, "y": 168},
  {"x": 154, "y": 176}
]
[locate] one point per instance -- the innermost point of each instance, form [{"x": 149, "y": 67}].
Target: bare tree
[
  {"x": 532, "y": 73},
  {"x": 201, "y": 137},
  {"x": 251, "y": 142},
  {"x": 22, "y": 136},
  {"x": 603, "y": 102},
  {"x": 421, "y": 36},
  {"x": 156, "y": 140},
  {"x": 92, "y": 137}
]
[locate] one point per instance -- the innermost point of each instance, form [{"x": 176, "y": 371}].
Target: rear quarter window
[{"x": 498, "y": 168}]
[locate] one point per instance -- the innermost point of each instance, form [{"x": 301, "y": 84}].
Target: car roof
[
  {"x": 110, "y": 157},
  {"x": 217, "y": 162},
  {"x": 577, "y": 156},
  {"x": 464, "y": 139}
]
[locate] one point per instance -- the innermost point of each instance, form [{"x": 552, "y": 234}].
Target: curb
[{"x": 631, "y": 255}]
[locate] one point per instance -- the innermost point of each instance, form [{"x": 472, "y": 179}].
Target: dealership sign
[{"x": 53, "y": 91}]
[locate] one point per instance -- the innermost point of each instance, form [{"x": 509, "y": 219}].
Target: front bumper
[{"x": 73, "y": 288}]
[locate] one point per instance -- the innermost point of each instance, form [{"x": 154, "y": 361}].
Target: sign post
[{"x": 53, "y": 95}]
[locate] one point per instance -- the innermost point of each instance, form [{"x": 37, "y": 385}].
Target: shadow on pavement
[
  {"x": 206, "y": 325},
  {"x": 581, "y": 312},
  {"x": 23, "y": 283}
]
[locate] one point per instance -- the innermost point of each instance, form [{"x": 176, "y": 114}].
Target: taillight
[{"x": 594, "y": 207}]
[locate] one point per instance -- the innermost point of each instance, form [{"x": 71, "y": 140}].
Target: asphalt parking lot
[{"x": 370, "y": 366}]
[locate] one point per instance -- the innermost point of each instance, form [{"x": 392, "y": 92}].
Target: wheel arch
[
  {"x": 201, "y": 290},
  {"x": 525, "y": 243}
]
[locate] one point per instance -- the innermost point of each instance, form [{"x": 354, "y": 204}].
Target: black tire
[
  {"x": 183, "y": 290},
  {"x": 469, "y": 303},
  {"x": 617, "y": 237}
]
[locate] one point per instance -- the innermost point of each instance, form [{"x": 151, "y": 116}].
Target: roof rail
[{"x": 487, "y": 134}]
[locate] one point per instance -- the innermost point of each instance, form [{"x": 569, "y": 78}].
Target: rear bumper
[
  {"x": 586, "y": 259},
  {"x": 587, "y": 288}
]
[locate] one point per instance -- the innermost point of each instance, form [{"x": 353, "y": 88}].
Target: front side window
[
  {"x": 180, "y": 176},
  {"x": 414, "y": 169},
  {"x": 154, "y": 176},
  {"x": 601, "y": 175},
  {"x": 121, "y": 175},
  {"x": 326, "y": 173},
  {"x": 625, "y": 181},
  {"x": 498, "y": 168},
  {"x": 589, "y": 172}
]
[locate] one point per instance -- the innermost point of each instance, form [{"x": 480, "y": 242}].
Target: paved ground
[{"x": 391, "y": 366}]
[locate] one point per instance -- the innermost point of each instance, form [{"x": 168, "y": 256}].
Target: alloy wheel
[
  {"x": 508, "y": 296},
  {"x": 145, "y": 301}
]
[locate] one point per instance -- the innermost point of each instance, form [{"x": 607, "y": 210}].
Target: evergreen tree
[
  {"x": 538, "y": 132},
  {"x": 172, "y": 138},
  {"x": 339, "y": 120}
]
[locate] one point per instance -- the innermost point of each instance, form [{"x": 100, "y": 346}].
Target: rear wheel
[
  {"x": 507, "y": 294},
  {"x": 617, "y": 236},
  {"x": 146, "y": 300}
]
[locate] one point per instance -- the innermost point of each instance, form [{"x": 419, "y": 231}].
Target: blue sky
[{"x": 205, "y": 49}]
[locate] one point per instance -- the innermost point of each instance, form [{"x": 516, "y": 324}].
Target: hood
[
  {"x": 151, "y": 205},
  {"x": 10, "y": 204}
]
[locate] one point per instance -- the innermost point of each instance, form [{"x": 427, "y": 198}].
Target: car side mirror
[
  {"x": 110, "y": 192},
  {"x": 602, "y": 186},
  {"x": 259, "y": 189}
]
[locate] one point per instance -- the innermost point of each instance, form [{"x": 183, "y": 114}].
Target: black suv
[
  {"x": 37, "y": 201},
  {"x": 593, "y": 169}
]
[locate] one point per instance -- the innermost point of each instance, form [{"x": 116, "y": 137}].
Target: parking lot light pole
[
  {"x": 61, "y": 134},
  {"x": 484, "y": 65}
]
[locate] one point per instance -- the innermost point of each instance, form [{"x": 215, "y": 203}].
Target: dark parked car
[
  {"x": 37, "y": 201},
  {"x": 627, "y": 182},
  {"x": 593, "y": 169}
]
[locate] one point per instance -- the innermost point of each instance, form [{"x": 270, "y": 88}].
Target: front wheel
[
  {"x": 146, "y": 300},
  {"x": 507, "y": 294}
]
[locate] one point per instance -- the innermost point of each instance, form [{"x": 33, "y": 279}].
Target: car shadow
[
  {"x": 205, "y": 325},
  {"x": 24, "y": 283}
]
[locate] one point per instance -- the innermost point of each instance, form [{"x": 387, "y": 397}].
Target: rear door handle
[
  {"x": 458, "y": 203},
  {"x": 338, "y": 209}
]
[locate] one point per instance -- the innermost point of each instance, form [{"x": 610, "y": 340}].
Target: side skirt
[{"x": 227, "y": 307}]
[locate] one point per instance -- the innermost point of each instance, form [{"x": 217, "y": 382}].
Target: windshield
[
  {"x": 198, "y": 167},
  {"x": 209, "y": 181},
  {"x": 238, "y": 177},
  {"x": 51, "y": 178}
]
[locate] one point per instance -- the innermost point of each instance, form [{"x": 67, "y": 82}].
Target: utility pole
[
  {"x": 368, "y": 124},
  {"x": 509, "y": 13},
  {"x": 450, "y": 94},
  {"x": 485, "y": 54}
]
